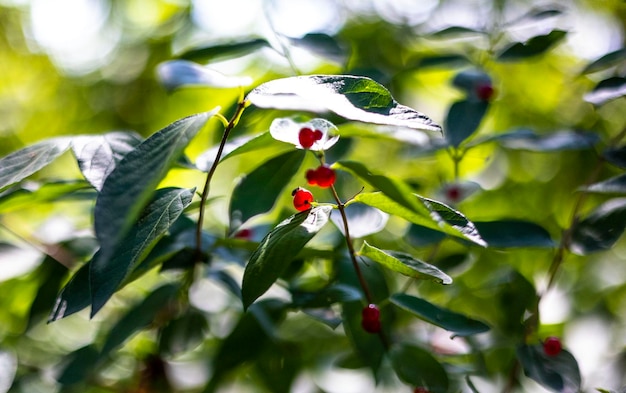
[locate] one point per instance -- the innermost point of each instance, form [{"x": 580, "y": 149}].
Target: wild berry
[
  {"x": 453, "y": 193},
  {"x": 420, "y": 389},
  {"x": 323, "y": 176},
  {"x": 370, "y": 318},
  {"x": 302, "y": 199},
  {"x": 307, "y": 137},
  {"x": 244, "y": 234},
  {"x": 485, "y": 91},
  {"x": 552, "y": 346}
]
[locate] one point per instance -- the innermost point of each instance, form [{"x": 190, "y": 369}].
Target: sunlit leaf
[
  {"x": 352, "y": 97},
  {"x": 417, "y": 367},
  {"x": 601, "y": 229},
  {"x": 514, "y": 233},
  {"x": 224, "y": 51},
  {"x": 607, "y": 90},
  {"x": 323, "y": 45},
  {"x": 404, "y": 263},
  {"x": 456, "y": 323},
  {"x": 463, "y": 119},
  {"x": 23, "y": 163},
  {"x": 106, "y": 275},
  {"x": 97, "y": 155},
  {"x": 178, "y": 73},
  {"x": 278, "y": 249},
  {"x": 32, "y": 195},
  {"x": 257, "y": 191},
  {"x": 614, "y": 185},
  {"x": 609, "y": 60},
  {"x": 533, "y": 47},
  {"x": 559, "y": 373},
  {"x": 363, "y": 220}
]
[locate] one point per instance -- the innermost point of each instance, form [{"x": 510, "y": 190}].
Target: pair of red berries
[
  {"x": 322, "y": 176},
  {"x": 307, "y": 137},
  {"x": 370, "y": 318},
  {"x": 552, "y": 346}
]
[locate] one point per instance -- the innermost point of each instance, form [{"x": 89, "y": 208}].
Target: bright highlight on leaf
[{"x": 178, "y": 73}]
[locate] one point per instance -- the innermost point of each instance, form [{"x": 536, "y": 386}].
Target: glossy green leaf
[
  {"x": 32, "y": 195},
  {"x": 417, "y": 367},
  {"x": 524, "y": 139},
  {"x": 463, "y": 119},
  {"x": 601, "y": 229},
  {"x": 23, "y": 163},
  {"x": 456, "y": 323},
  {"x": 614, "y": 185},
  {"x": 514, "y": 233},
  {"x": 256, "y": 192},
  {"x": 558, "y": 373},
  {"x": 139, "y": 316},
  {"x": 404, "y": 263},
  {"x": 363, "y": 220},
  {"x": 278, "y": 249},
  {"x": 533, "y": 47},
  {"x": 234, "y": 147},
  {"x": 106, "y": 275},
  {"x": 224, "y": 51},
  {"x": 174, "y": 74},
  {"x": 616, "y": 156},
  {"x": 131, "y": 184},
  {"x": 81, "y": 365},
  {"x": 74, "y": 296},
  {"x": 609, "y": 60},
  {"x": 607, "y": 90},
  {"x": 432, "y": 214},
  {"x": 323, "y": 45},
  {"x": 352, "y": 97},
  {"x": 183, "y": 333},
  {"x": 97, "y": 155}
]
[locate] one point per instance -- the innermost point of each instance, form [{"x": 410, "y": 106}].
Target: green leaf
[
  {"x": 352, "y": 97},
  {"x": 34, "y": 194},
  {"x": 524, "y": 139},
  {"x": 451, "y": 321},
  {"x": 420, "y": 236},
  {"x": 23, "y": 163},
  {"x": 601, "y": 229},
  {"x": 131, "y": 184},
  {"x": 367, "y": 346},
  {"x": 140, "y": 316},
  {"x": 337, "y": 293},
  {"x": 278, "y": 249},
  {"x": 513, "y": 233},
  {"x": 97, "y": 155},
  {"x": 178, "y": 73},
  {"x": 257, "y": 191},
  {"x": 224, "y": 51},
  {"x": 614, "y": 185},
  {"x": 106, "y": 275},
  {"x": 445, "y": 61},
  {"x": 616, "y": 156},
  {"x": 432, "y": 214},
  {"x": 81, "y": 365},
  {"x": 50, "y": 273},
  {"x": 323, "y": 45},
  {"x": 533, "y": 47},
  {"x": 404, "y": 263},
  {"x": 234, "y": 147},
  {"x": 464, "y": 118},
  {"x": 74, "y": 296},
  {"x": 417, "y": 367},
  {"x": 607, "y": 90},
  {"x": 183, "y": 333},
  {"x": 363, "y": 220},
  {"x": 558, "y": 373},
  {"x": 455, "y": 31},
  {"x": 609, "y": 60}
]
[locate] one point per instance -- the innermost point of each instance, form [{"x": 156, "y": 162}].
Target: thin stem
[{"x": 205, "y": 192}]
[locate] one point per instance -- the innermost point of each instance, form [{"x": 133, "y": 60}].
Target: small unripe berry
[
  {"x": 552, "y": 346},
  {"x": 307, "y": 137},
  {"x": 370, "y": 318},
  {"x": 485, "y": 91},
  {"x": 323, "y": 176},
  {"x": 302, "y": 199}
]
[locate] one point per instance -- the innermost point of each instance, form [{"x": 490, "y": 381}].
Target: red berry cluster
[
  {"x": 370, "y": 318},
  {"x": 323, "y": 176},
  {"x": 307, "y": 137},
  {"x": 485, "y": 91},
  {"x": 302, "y": 199},
  {"x": 552, "y": 346}
]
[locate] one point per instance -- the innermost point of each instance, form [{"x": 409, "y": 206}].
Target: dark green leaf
[
  {"x": 468, "y": 80},
  {"x": 614, "y": 185},
  {"x": 279, "y": 366},
  {"x": 81, "y": 365},
  {"x": 616, "y": 156},
  {"x": 257, "y": 191},
  {"x": 323, "y": 45},
  {"x": 464, "y": 118},
  {"x": 515, "y": 298},
  {"x": 339, "y": 293},
  {"x": 233, "y": 148},
  {"x": 513, "y": 233},
  {"x": 558, "y": 373},
  {"x": 368, "y": 347},
  {"x": 601, "y": 229},
  {"x": 140, "y": 316},
  {"x": 51, "y": 273},
  {"x": 609, "y": 60},
  {"x": 459, "y": 324},
  {"x": 443, "y": 61},
  {"x": 106, "y": 275},
  {"x": 417, "y": 367},
  {"x": 363, "y": 220},
  {"x": 404, "y": 263},
  {"x": 455, "y": 31},
  {"x": 224, "y": 51},
  {"x": 607, "y": 90},
  {"x": 420, "y": 236},
  {"x": 32, "y": 195},
  {"x": 131, "y": 184},
  {"x": 561, "y": 140},
  {"x": 352, "y": 97},
  {"x": 533, "y": 47},
  {"x": 278, "y": 249},
  {"x": 74, "y": 296},
  {"x": 184, "y": 333},
  {"x": 178, "y": 73},
  {"x": 97, "y": 155},
  {"x": 23, "y": 163}
]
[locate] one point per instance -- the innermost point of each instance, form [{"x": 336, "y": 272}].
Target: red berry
[
  {"x": 311, "y": 176},
  {"x": 552, "y": 346},
  {"x": 244, "y": 234},
  {"x": 484, "y": 91},
  {"x": 307, "y": 137},
  {"x": 317, "y": 135},
  {"x": 302, "y": 199},
  {"x": 370, "y": 319},
  {"x": 420, "y": 389},
  {"x": 322, "y": 176},
  {"x": 453, "y": 193}
]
